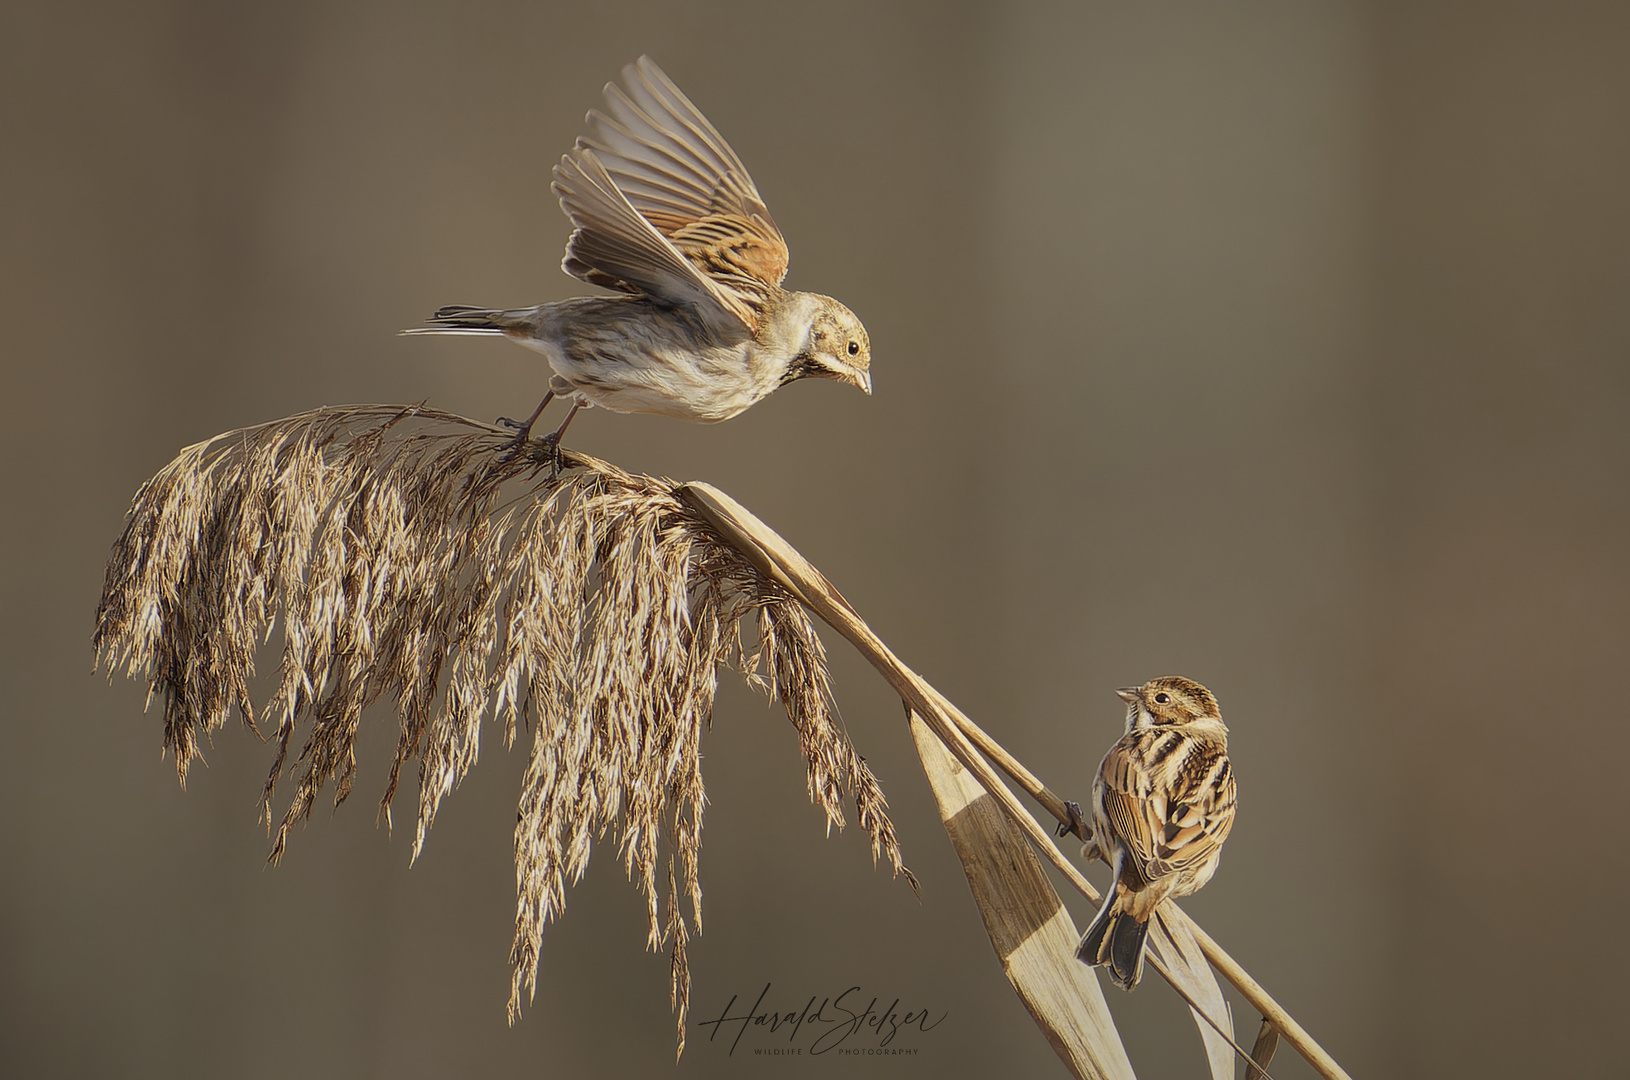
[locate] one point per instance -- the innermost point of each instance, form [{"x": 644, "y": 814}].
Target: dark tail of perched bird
[
  {"x": 461, "y": 319},
  {"x": 1115, "y": 941}
]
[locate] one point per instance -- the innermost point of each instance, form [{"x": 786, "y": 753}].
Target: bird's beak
[
  {"x": 863, "y": 379},
  {"x": 1128, "y": 694}
]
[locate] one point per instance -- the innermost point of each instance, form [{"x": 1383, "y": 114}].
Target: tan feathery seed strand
[{"x": 594, "y": 607}]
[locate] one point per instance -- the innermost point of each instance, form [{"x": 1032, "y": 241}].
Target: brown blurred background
[{"x": 1283, "y": 345}]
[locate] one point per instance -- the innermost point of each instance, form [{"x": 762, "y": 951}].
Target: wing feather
[
  {"x": 676, "y": 173},
  {"x": 1174, "y": 816},
  {"x": 615, "y": 246}
]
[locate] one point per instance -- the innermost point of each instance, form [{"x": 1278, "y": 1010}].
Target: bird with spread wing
[{"x": 664, "y": 213}]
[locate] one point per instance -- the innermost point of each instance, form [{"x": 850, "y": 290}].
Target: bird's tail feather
[
  {"x": 1115, "y": 941},
  {"x": 462, "y": 319}
]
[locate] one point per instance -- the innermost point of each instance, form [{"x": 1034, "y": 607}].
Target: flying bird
[{"x": 664, "y": 213}]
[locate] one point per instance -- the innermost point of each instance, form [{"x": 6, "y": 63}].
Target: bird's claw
[
  {"x": 1076, "y": 824},
  {"x": 538, "y": 452},
  {"x": 510, "y": 450},
  {"x": 546, "y": 451}
]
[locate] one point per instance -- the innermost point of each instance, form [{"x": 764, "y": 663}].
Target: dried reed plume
[{"x": 403, "y": 556}]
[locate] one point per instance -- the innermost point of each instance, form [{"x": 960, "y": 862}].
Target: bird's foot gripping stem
[
  {"x": 523, "y": 429},
  {"x": 544, "y": 451},
  {"x": 1076, "y": 824}
]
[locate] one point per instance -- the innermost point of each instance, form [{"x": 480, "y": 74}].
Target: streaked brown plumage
[
  {"x": 1162, "y": 805},
  {"x": 665, "y": 213}
]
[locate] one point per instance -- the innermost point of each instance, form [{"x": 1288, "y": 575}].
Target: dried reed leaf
[
  {"x": 1262, "y": 1051},
  {"x": 1029, "y": 926},
  {"x": 593, "y": 606},
  {"x": 1179, "y": 959}
]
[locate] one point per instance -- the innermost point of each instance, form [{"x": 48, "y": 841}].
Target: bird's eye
[
  {"x": 1163, "y": 699},
  {"x": 854, "y": 348}
]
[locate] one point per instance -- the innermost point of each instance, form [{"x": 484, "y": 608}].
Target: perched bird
[
  {"x": 664, "y": 212},
  {"x": 1162, "y": 805}
]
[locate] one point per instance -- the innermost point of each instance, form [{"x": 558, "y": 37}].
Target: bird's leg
[
  {"x": 523, "y": 430},
  {"x": 551, "y": 442}
]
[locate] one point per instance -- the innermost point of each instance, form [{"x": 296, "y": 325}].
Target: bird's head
[
  {"x": 837, "y": 347},
  {"x": 1169, "y": 701}
]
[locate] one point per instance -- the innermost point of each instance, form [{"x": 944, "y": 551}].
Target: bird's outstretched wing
[
  {"x": 1169, "y": 797},
  {"x": 664, "y": 207}
]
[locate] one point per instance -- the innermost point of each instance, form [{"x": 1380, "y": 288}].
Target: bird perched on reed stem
[
  {"x": 665, "y": 214},
  {"x": 1162, "y": 805}
]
